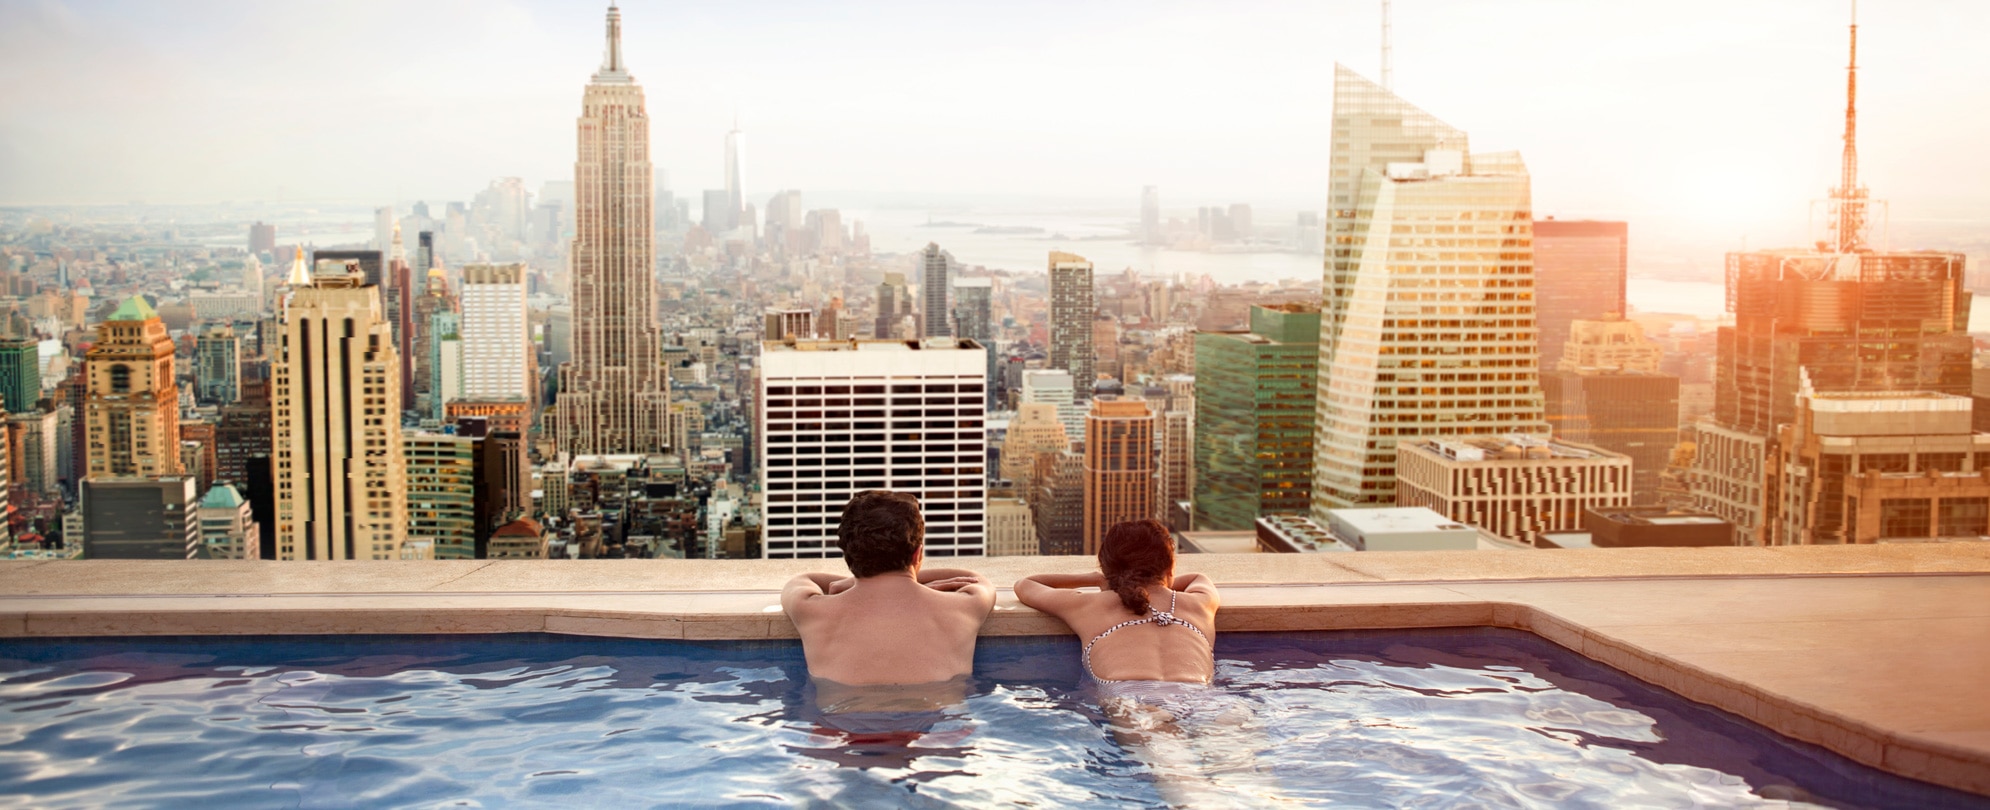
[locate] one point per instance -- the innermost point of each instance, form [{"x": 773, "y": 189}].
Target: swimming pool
[{"x": 1428, "y": 718}]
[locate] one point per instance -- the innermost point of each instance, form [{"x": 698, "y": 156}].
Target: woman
[
  {"x": 1148, "y": 648},
  {"x": 1148, "y": 633}
]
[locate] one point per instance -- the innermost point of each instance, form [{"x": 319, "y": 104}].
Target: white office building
[
  {"x": 841, "y": 417},
  {"x": 496, "y": 345}
]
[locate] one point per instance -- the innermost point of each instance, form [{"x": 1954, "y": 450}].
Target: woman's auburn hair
[{"x": 1135, "y": 555}]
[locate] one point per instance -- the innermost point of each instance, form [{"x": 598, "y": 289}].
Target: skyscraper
[
  {"x": 1254, "y": 418},
  {"x": 735, "y": 193},
  {"x": 1119, "y": 466},
  {"x": 1417, "y": 342},
  {"x": 1579, "y": 272},
  {"x": 336, "y": 389},
  {"x": 841, "y": 417},
  {"x": 441, "y": 478},
  {"x": 894, "y": 303},
  {"x": 262, "y": 238},
  {"x": 1035, "y": 430},
  {"x": 1174, "y": 471},
  {"x": 218, "y": 357},
  {"x": 133, "y": 408},
  {"x": 435, "y": 299},
  {"x": 1844, "y": 315},
  {"x": 614, "y": 397},
  {"x": 383, "y": 228},
  {"x": 935, "y": 285},
  {"x": 973, "y": 319},
  {"x": 1072, "y": 306},
  {"x": 1609, "y": 392},
  {"x": 20, "y": 374},
  {"x": 497, "y": 348}
]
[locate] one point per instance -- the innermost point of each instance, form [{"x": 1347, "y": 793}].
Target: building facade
[
  {"x": 1033, "y": 431},
  {"x": 228, "y": 528},
  {"x": 140, "y": 518},
  {"x": 1011, "y": 532},
  {"x": 1580, "y": 267},
  {"x": 936, "y": 274},
  {"x": 497, "y": 347},
  {"x": 133, "y": 409},
  {"x": 339, "y": 476},
  {"x": 1072, "y": 306},
  {"x": 218, "y": 364},
  {"x": 1254, "y": 411},
  {"x": 614, "y": 397},
  {"x": 441, "y": 480},
  {"x": 1517, "y": 487},
  {"x": 842, "y": 417},
  {"x": 1857, "y": 322},
  {"x": 1427, "y": 327},
  {"x": 20, "y": 374},
  {"x": 1867, "y": 467},
  {"x": 1119, "y": 466}
]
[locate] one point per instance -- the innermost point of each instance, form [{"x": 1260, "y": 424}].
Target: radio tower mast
[
  {"x": 1849, "y": 198},
  {"x": 1388, "y": 80}
]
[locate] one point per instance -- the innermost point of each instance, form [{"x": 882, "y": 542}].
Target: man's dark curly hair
[{"x": 880, "y": 532}]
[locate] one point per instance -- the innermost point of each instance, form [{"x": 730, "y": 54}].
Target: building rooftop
[
  {"x": 1396, "y": 519},
  {"x": 1511, "y": 447},
  {"x": 134, "y": 309},
  {"x": 858, "y": 345},
  {"x": 1887, "y": 402},
  {"x": 221, "y": 496}
]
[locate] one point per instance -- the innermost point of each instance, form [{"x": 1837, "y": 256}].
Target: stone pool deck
[{"x": 1881, "y": 653}]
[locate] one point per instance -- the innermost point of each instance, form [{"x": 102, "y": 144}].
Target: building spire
[
  {"x": 614, "y": 63},
  {"x": 1388, "y": 77},
  {"x": 300, "y": 273},
  {"x": 400, "y": 252},
  {"x": 1849, "y": 198}
]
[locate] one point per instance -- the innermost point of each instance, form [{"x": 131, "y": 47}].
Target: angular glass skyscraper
[{"x": 1427, "y": 324}]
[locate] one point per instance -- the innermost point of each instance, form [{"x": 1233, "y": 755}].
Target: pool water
[{"x": 1470, "y": 718}]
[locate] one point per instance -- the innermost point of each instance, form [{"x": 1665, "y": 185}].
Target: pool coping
[{"x": 1696, "y": 632}]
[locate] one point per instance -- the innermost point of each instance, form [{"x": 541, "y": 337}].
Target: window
[
  {"x": 1904, "y": 517},
  {"x": 1965, "y": 517}
]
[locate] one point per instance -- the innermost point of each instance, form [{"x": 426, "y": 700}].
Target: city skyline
[{"x": 1624, "y": 138}]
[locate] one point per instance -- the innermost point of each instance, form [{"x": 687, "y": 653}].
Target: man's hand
[
  {"x": 839, "y": 586},
  {"x": 952, "y": 583}
]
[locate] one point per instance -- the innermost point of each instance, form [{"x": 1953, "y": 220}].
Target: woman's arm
[
  {"x": 1199, "y": 585},
  {"x": 1092, "y": 579}
]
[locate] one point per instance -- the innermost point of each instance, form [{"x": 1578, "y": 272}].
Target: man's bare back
[{"x": 898, "y": 627}]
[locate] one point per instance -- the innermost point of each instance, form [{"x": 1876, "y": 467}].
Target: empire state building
[{"x": 614, "y": 396}]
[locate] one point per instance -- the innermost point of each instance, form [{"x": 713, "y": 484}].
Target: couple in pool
[{"x": 897, "y": 638}]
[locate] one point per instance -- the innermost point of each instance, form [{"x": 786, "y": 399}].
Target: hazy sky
[{"x": 1726, "y": 113}]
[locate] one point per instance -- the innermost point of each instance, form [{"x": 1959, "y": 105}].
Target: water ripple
[{"x": 1427, "y": 719}]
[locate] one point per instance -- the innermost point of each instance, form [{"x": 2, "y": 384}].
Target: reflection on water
[{"x": 1479, "y": 718}]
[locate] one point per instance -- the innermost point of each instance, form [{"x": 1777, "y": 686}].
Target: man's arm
[
  {"x": 804, "y": 586},
  {"x": 960, "y": 580}
]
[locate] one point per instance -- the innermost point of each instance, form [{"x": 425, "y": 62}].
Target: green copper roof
[
  {"x": 221, "y": 496},
  {"x": 134, "y": 309}
]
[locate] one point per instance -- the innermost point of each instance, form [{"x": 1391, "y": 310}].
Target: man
[{"x": 893, "y": 622}]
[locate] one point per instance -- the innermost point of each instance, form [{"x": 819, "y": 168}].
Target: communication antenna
[
  {"x": 1849, "y": 198},
  {"x": 1388, "y": 78}
]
